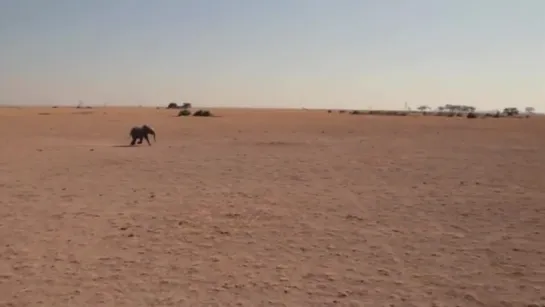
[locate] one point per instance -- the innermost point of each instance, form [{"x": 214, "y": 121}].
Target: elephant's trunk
[{"x": 149, "y": 130}]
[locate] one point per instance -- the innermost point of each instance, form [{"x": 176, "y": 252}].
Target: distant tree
[
  {"x": 172, "y": 105},
  {"x": 510, "y": 111},
  {"x": 441, "y": 109},
  {"x": 530, "y": 110},
  {"x": 186, "y": 105},
  {"x": 466, "y": 109},
  {"x": 423, "y": 108}
]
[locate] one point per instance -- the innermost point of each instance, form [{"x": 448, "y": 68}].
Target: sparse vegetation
[
  {"x": 446, "y": 110},
  {"x": 184, "y": 112},
  {"x": 173, "y": 105},
  {"x": 82, "y": 106},
  {"x": 380, "y": 112},
  {"x": 472, "y": 115},
  {"x": 459, "y": 108},
  {"x": 510, "y": 112},
  {"x": 204, "y": 113},
  {"x": 423, "y": 108}
]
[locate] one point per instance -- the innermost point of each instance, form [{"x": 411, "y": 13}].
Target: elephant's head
[{"x": 147, "y": 129}]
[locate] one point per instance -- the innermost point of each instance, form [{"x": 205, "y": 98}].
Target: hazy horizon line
[{"x": 83, "y": 106}]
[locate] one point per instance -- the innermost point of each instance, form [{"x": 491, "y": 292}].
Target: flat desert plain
[{"x": 270, "y": 208}]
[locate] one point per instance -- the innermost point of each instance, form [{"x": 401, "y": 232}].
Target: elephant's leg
[
  {"x": 147, "y": 140},
  {"x": 133, "y": 141},
  {"x": 140, "y": 140}
]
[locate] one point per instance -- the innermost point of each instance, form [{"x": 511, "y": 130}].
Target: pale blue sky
[{"x": 274, "y": 53}]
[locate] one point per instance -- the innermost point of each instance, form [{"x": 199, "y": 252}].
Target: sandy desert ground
[{"x": 270, "y": 208}]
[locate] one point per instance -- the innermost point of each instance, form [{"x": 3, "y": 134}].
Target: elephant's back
[{"x": 136, "y": 130}]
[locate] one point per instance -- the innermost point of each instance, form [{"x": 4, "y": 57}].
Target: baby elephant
[{"x": 141, "y": 133}]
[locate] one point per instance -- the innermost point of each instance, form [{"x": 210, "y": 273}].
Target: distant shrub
[
  {"x": 204, "y": 113},
  {"x": 471, "y": 115},
  {"x": 389, "y": 113},
  {"x": 380, "y": 112},
  {"x": 329, "y": 111},
  {"x": 172, "y": 105},
  {"x": 184, "y": 113}
]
